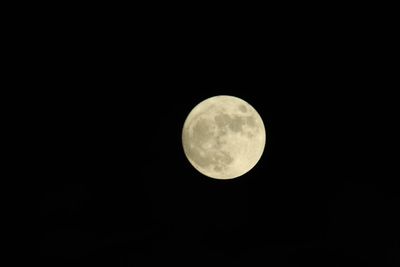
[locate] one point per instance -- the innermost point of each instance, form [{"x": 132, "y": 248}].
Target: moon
[{"x": 223, "y": 137}]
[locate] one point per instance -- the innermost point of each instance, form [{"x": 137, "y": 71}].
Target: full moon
[{"x": 223, "y": 137}]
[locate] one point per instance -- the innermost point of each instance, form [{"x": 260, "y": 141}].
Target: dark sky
[{"x": 118, "y": 190}]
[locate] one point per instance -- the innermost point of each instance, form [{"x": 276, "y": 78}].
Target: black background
[{"x": 118, "y": 190}]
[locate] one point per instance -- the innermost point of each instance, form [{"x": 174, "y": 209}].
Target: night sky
[{"x": 118, "y": 191}]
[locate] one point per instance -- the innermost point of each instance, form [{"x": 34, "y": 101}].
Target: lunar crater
[{"x": 243, "y": 108}]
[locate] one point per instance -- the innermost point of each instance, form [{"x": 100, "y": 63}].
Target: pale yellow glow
[{"x": 223, "y": 137}]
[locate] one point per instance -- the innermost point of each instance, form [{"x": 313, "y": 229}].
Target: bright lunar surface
[{"x": 223, "y": 137}]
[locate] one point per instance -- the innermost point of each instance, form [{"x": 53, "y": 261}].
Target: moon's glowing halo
[{"x": 223, "y": 137}]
